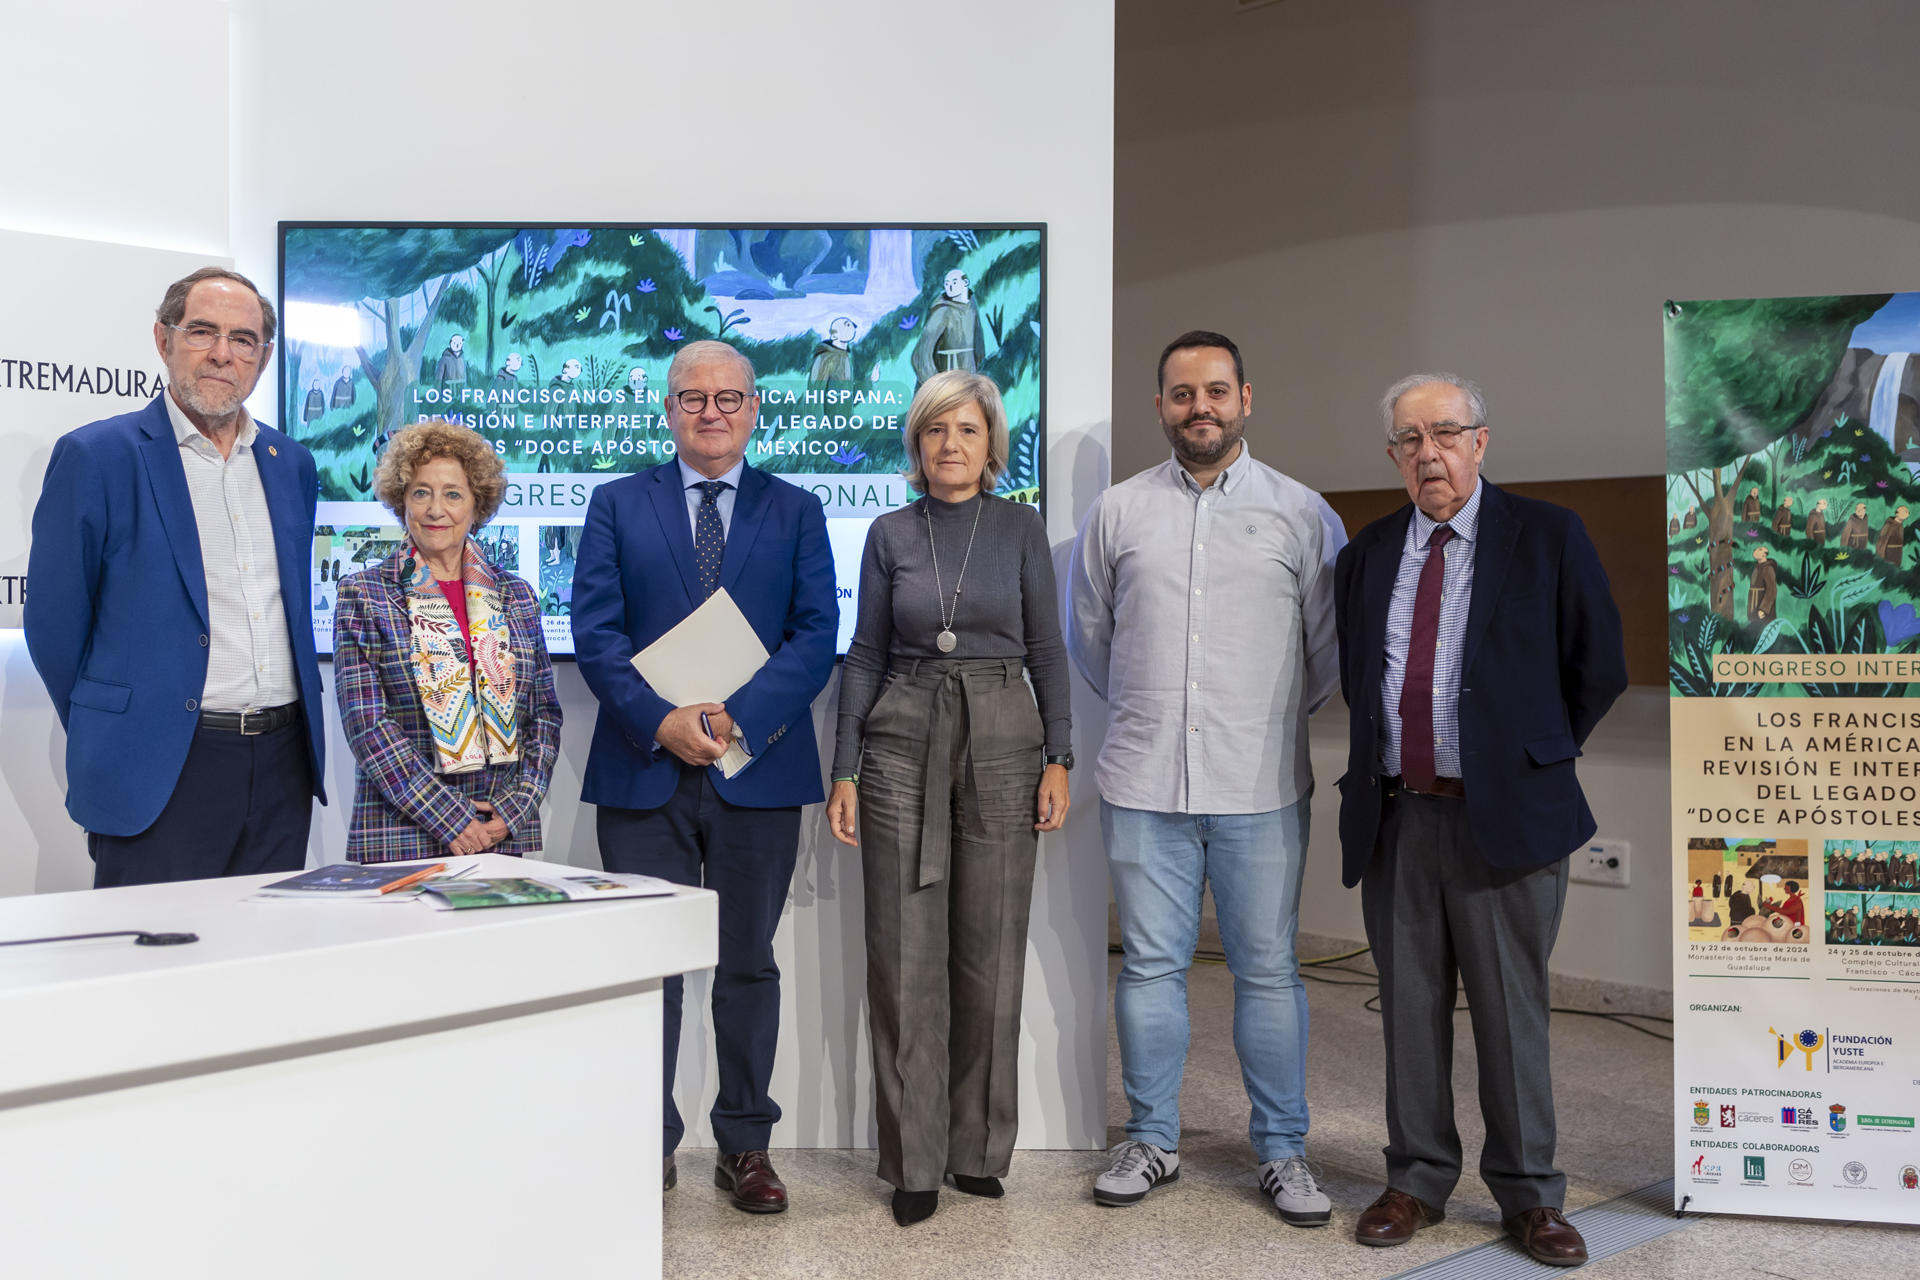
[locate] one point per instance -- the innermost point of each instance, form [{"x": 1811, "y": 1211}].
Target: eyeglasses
[
  {"x": 201, "y": 337},
  {"x": 696, "y": 401},
  {"x": 1445, "y": 435}
]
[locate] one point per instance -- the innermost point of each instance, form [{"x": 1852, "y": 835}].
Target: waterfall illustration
[{"x": 1884, "y": 408}]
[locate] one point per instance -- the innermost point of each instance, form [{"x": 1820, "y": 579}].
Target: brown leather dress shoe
[
  {"x": 1548, "y": 1237},
  {"x": 750, "y": 1182},
  {"x": 1393, "y": 1218}
]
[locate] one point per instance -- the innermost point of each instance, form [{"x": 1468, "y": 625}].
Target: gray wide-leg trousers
[{"x": 948, "y": 781}]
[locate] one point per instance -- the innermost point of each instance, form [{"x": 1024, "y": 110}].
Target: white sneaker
[
  {"x": 1299, "y": 1199},
  {"x": 1136, "y": 1168}
]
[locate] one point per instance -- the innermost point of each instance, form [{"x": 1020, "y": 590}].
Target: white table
[{"x": 336, "y": 1089}]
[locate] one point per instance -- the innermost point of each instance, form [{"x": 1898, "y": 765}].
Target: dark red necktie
[{"x": 1416, "y": 693}]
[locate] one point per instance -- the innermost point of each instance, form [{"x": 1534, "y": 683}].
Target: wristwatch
[{"x": 1065, "y": 761}]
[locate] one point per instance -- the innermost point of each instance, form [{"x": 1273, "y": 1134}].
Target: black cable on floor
[{"x": 1372, "y": 1004}]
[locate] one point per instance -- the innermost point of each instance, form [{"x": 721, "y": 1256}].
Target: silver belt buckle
[{"x": 246, "y": 732}]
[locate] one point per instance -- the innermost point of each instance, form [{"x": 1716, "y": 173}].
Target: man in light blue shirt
[{"x": 1202, "y": 611}]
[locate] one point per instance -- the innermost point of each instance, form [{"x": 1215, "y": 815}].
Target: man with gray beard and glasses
[
  {"x": 169, "y": 610},
  {"x": 1202, "y": 611}
]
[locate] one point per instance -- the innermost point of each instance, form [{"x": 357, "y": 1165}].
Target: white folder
[{"x": 707, "y": 657}]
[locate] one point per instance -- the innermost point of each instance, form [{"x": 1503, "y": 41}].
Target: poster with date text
[{"x": 1793, "y": 572}]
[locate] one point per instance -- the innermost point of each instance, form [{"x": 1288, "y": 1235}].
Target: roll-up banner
[
  {"x": 1793, "y": 573},
  {"x": 76, "y": 345}
]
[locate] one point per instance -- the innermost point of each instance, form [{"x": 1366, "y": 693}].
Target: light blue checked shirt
[{"x": 1456, "y": 589}]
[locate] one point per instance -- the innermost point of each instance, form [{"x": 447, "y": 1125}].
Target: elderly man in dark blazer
[
  {"x": 656, "y": 546},
  {"x": 1479, "y": 646}
]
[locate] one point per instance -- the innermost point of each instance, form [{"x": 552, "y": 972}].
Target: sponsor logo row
[
  {"x": 1710, "y": 1114},
  {"x": 1799, "y": 1170}
]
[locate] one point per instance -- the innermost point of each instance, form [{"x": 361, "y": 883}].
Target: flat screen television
[{"x": 552, "y": 341}]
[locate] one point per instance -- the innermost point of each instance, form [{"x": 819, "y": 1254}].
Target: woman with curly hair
[{"x": 446, "y": 691}]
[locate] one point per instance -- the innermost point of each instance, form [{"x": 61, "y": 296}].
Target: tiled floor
[{"x": 1612, "y": 1087}]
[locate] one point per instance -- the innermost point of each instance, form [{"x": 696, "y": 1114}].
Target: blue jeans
[{"x": 1161, "y": 863}]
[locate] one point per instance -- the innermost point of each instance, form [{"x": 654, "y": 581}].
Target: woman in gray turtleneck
[{"x": 949, "y": 771}]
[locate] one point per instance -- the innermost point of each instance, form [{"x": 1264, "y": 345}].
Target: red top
[
  {"x": 456, "y": 594},
  {"x": 1794, "y": 909}
]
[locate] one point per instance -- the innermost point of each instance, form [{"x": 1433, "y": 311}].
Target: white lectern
[{"x": 328, "y": 1089}]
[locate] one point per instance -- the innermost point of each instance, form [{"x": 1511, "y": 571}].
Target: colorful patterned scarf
[{"x": 469, "y": 705}]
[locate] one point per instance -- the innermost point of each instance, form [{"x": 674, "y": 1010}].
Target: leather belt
[
  {"x": 1448, "y": 788},
  {"x": 251, "y": 723}
]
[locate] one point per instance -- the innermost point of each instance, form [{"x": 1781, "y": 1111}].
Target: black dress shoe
[
  {"x": 988, "y": 1187},
  {"x": 670, "y": 1176},
  {"x": 910, "y": 1207}
]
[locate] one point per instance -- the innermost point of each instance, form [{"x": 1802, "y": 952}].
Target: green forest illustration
[
  {"x": 1793, "y": 451},
  {"x": 442, "y": 320}
]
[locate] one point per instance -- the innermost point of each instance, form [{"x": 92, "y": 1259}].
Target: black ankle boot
[
  {"x": 988, "y": 1187},
  {"x": 910, "y": 1207}
]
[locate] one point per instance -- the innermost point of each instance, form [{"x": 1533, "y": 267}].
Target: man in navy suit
[
  {"x": 655, "y": 546},
  {"x": 1479, "y": 646},
  {"x": 168, "y": 610}
]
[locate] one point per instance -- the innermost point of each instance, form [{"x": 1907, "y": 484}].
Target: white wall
[
  {"x": 99, "y": 147},
  {"x": 1503, "y": 187},
  {"x": 107, "y": 138},
  {"x": 670, "y": 113},
  {"x": 1509, "y": 189}
]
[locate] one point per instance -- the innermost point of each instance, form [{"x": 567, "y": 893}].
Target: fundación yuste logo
[{"x": 1807, "y": 1041}]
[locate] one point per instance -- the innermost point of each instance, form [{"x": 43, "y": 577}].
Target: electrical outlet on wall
[{"x": 1601, "y": 862}]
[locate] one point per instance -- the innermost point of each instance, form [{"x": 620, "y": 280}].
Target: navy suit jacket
[
  {"x": 634, "y": 580},
  {"x": 1542, "y": 662},
  {"x": 116, "y": 613}
]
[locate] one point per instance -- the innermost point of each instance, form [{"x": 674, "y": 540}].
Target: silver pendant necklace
[{"x": 946, "y": 640}]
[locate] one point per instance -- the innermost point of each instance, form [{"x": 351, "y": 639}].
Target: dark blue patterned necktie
[{"x": 709, "y": 535}]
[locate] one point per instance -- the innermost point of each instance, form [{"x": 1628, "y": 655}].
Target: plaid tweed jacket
[{"x": 402, "y": 806}]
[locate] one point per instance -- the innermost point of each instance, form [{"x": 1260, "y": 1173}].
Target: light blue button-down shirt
[
  {"x": 1456, "y": 589},
  {"x": 689, "y": 478},
  {"x": 1205, "y": 618}
]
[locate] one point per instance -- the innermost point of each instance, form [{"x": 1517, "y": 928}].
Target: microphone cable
[{"x": 141, "y": 938}]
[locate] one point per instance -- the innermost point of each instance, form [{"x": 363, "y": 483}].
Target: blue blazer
[
  {"x": 116, "y": 613},
  {"x": 634, "y": 580},
  {"x": 1543, "y": 660}
]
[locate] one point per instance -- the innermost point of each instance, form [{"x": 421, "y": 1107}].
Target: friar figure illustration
[
  {"x": 1817, "y": 522},
  {"x": 1763, "y": 589},
  {"x": 452, "y": 369},
  {"x": 1783, "y": 518},
  {"x": 508, "y": 375},
  {"x": 951, "y": 337},
  {"x": 316, "y": 403},
  {"x": 1751, "y": 511},
  {"x": 833, "y": 359},
  {"x": 1890, "y": 544},
  {"x": 1855, "y": 533},
  {"x": 343, "y": 388}
]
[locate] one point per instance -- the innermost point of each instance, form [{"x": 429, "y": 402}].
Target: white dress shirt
[{"x": 249, "y": 654}]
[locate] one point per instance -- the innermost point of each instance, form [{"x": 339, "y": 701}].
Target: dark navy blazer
[
  {"x": 116, "y": 613},
  {"x": 634, "y": 580},
  {"x": 1543, "y": 660}
]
